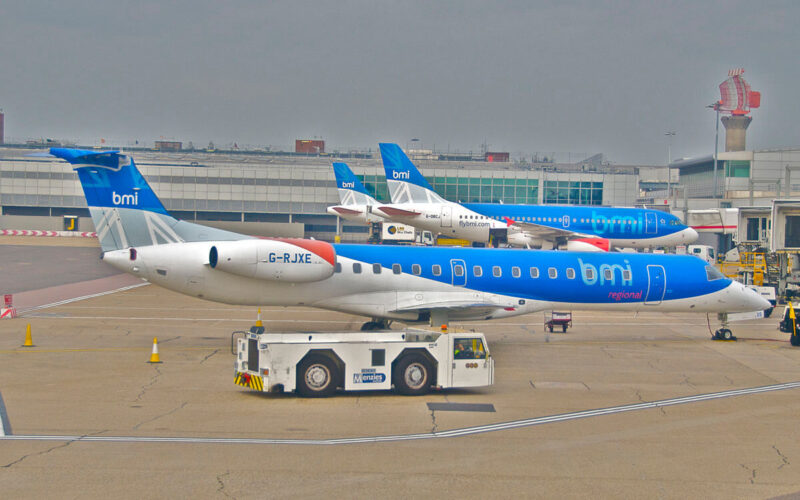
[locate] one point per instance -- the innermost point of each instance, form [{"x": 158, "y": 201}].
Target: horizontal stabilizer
[
  {"x": 345, "y": 211},
  {"x": 84, "y": 156},
  {"x": 397, "y": 212}
]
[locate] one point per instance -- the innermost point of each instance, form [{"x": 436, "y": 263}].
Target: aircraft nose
[
  {"x": 748, "y": 299},
  {"x": 689, "y": 235}
]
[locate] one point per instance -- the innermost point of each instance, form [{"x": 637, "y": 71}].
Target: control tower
[{"x": 736, "y": 100}]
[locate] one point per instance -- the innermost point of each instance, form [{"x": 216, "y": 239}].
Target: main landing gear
[
  {"x": 376, "y": 324},
  {"x": 724, "y": 333}
]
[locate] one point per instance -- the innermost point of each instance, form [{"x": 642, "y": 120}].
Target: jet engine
[
  {"x": 588, "y": 245},
  {"x": 519, "y": 238},
  {"x": 284, "y": 259}
]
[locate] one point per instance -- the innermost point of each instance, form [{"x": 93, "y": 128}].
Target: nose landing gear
[{"x": 723, "y": 333}]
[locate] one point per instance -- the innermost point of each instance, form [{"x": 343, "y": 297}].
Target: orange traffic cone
[
  {"x": 154, "y": 357},
  {"x": 28, "y": 338},
  {"x": 258, "y": 321}
]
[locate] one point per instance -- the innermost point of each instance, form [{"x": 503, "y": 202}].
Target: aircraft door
[
  {"x": 650, "y": 223},
  {"x": 656, "y": 285},
  {"x": 447, "y": 216},
  {"x": 458, "y": 272},
  {"x": 471, "y": 363}
]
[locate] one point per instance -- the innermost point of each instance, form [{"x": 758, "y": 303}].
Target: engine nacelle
[
  {"x": 524, "y": 240},
  {"x": 588, "y": 245},
  {"x": 285, "y": 259}
]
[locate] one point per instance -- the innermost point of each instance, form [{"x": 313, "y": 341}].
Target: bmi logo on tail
[{"x": 125, "y": 199}]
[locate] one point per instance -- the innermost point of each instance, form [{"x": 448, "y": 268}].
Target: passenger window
[
  {"x": 356, "y": 268},
  {"x": 396, "y": 269},
  {"x": 551, "y": 271},
  {"x": 477, "y": 271},
  {"x": 338, "y": 267},
  {"x": 468, "y": 348},
  {"x": 497, "y": 272},
  {"x": 458, "y": 270},
  {"x": 608, "y": 275},
  {"x": 534, "y": 272},
  {"x": 570, "y": 273},
  {"x": 589, "y": 273},
  {"x": 516, "y": 272},
  {"x": 437, "y": 270},
  {"x": 626, "y": 275},
  {"x": 416, "y": 270},
  {"x": 376, "y": 268}
]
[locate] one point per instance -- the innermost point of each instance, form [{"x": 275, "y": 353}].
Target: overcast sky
[{"x": 524, "y": 76}]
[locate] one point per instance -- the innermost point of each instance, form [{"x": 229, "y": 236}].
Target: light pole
[
  {"x": 715, "y": 107},
  {"x": 670, "y": 134}
]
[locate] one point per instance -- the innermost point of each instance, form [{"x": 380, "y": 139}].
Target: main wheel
[
  {"x": 412, "y": 375},
  {"x": 316, "y": 377},
  {"x": 726, "y": 334}
]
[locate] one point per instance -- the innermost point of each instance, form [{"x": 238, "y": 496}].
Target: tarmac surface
[{"x": 622, "y": 405}]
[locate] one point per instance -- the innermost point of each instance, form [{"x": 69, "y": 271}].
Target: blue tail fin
[
  {"x": 406, "y": 184},
  {"x": 346, "y": 179},
  {"x": 125, "y": 210},
  {"x": 351, "y": 190},
  {"x": 110, "y": 179}
]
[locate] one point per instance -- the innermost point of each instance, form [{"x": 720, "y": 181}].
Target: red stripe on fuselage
[{"x": 321, "y": 248}]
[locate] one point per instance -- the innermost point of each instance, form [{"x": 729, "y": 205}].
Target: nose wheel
[{"x": 723, "y": 333}]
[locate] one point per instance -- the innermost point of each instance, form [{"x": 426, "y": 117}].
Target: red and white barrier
[
  {"x": 31, "y": 232},
  {"x": 8, "y": 313}
]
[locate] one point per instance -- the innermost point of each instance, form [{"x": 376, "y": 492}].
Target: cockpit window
[{"x": 712, "y": 273}]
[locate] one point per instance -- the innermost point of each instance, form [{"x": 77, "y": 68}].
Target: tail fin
[
  {"x": 125, "y": 210},
  {"x": 351, "y": 191},
  {"x": 406, "y": 184}
]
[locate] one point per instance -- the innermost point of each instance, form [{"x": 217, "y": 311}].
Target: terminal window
[
  {"x": 792, "y": 232},
  {"x": 573, "y": 192}
]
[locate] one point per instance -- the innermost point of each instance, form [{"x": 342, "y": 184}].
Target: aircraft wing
[
  {"x": 575, "y": 241},
  {"x": 451, "y": 301},
  {"x": 545, "y": 232}
]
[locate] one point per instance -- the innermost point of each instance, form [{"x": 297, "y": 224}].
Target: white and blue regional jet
[
  {"x": 411, "y": 284},
  {"x": 414, "y": 202}
]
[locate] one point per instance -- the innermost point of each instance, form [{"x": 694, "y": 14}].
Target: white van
[{"x": 705, "y": 252}]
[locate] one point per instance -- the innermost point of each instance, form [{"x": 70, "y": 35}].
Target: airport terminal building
[{"x": 287, "y": 194}]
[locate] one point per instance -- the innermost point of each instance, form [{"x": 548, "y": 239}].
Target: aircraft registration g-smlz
[
  {"x": 414, "y": 202},
  {"x": 411, "y": 284}
]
